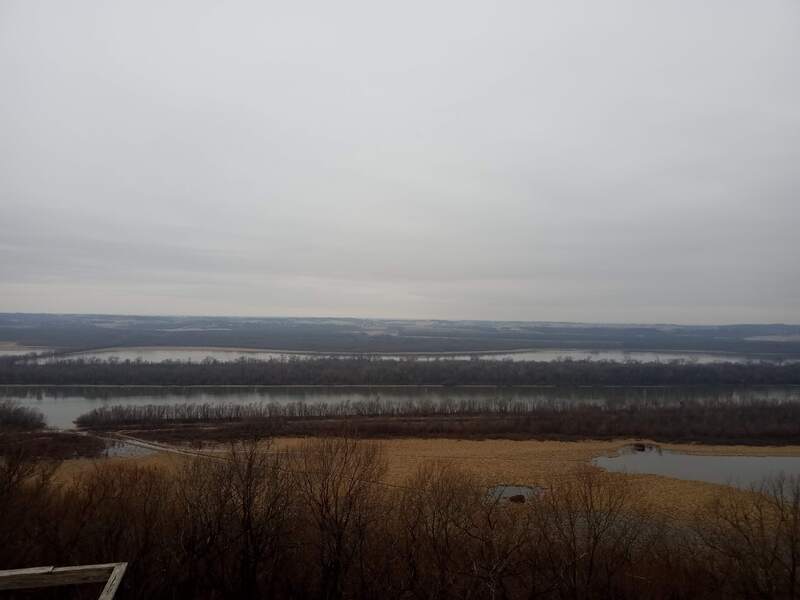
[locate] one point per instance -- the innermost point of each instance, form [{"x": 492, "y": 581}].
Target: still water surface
[
  {"x": 740, "y": 471},
  {"x": 62, "y": 405},
  {"x": 508, "y": 491},
  {"x": 154, "y": 354}
]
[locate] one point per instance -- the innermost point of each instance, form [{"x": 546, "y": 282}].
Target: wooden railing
[{"x": 39, "y": 577}]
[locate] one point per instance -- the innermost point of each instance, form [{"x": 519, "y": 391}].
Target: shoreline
[
  {"x": 497, "y": 461},
  {"x": 387, "y": 386},
  {"x": 418, "y": 354}
]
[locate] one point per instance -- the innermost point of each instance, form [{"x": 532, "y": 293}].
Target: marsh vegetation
[{"x": 324, "y": 522}]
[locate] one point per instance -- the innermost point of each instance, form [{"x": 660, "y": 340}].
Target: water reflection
[
  {"x": 517, "y": 494},
  {"x": 62, "y": 405},
  {"x": 740, "y": 471},
  {"x": 156, "y": 354},
  {"x": 119, "y": 449}
]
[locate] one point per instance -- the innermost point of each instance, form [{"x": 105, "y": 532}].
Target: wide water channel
[
  {"x": 157, "y": 354},
  {"x": 62, "y": 405}
]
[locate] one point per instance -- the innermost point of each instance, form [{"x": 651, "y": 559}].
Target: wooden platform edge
[
  {"x": 38, "y": 577},
  {"x": 113, "y": 582}
]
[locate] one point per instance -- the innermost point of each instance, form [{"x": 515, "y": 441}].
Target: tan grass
[{"x": 517, "y": 462}]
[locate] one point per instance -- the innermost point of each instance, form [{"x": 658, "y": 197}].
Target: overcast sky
[{"x": 613, "y": 160}]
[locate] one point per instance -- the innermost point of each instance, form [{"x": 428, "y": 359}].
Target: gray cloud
[{"x": 615, "y": 161}]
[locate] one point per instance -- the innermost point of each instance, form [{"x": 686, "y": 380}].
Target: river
[
  {"x": 195, "y": 354},
  {"x": 61, "y": 405}
]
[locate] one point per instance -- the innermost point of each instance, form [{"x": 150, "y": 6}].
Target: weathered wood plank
[
  {"x": 16, "y": 579},
  {"x": 12, "y": 573},
  {"x": 113, "y": 582}
]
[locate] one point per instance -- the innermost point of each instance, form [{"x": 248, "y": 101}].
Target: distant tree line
[
  {"x": 373, "y": 371},
  {"x": 706, "y": 422}
]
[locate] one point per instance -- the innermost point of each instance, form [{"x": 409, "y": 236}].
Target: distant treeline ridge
[{"x": 371, "y": 371}]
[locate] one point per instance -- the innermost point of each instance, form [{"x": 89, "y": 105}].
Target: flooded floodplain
[
  {"x": 739, "y": 471},
  {"x": 197, "y": 354},
  {"x": 61, "y": 405}
]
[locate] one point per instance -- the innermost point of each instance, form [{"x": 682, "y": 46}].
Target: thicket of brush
[
  {"x": 752, "y": 422},
  {"x": 14, "y": 417},
  {"x": 322, "y": 523},
  {"x": 376, "y": 371},
  {"x": 51, "y": 445}
]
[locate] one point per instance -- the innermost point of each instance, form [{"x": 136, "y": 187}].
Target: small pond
[
  {"x": 512, "y": 493},
  {"x": 120, "y": 449},
  {"x": 740, "y": 471}
]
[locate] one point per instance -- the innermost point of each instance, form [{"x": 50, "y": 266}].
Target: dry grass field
[{"x": 513, "y": 462}]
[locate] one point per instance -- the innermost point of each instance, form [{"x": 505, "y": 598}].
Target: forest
[
  {"x": 753, "y": 423},
  {"x": 324, "y": 522},
  {"x": 375, "y": 371}
]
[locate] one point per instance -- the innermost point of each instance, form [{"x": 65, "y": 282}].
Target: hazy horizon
[
  {"x": 384, "y": 318},
  {"x": 618, "y": 162}
]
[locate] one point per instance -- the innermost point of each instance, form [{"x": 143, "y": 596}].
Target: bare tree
[
  {"x": 340, "y": 482},
  {"x": 754, "y": 538},
  {"x": 234, "y": 519},
  {"x": 435, "y": 514},
  {"x": 587, "y": 535},
  {"x": 25, "y": 491}
]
